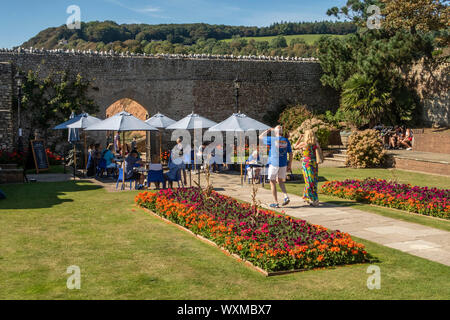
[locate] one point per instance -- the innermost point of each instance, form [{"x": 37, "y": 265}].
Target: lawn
[
  {"x": 419, "y": 179},
  {"x": 125, "y": 253},
  {"x": 309, "y": 38},
  {"x": 52, "y": 169}
]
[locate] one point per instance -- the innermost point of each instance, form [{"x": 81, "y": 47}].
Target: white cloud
[
  {"x": 144, "y": 10},
  {"x": 147, "y": 9}
]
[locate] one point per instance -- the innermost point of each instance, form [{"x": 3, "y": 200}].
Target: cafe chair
[
  {"x": 155, "y": 176},
  {"x": 120, "y": 178},
  {"x": 101, "y": 167},
  {"x": 249, "y": 180},
  {"x": 177, "y": 179}
]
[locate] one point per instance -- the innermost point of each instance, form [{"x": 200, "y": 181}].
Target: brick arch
[
  {"x": 129, "y": 105},
  {"x": 106, "y": 101}
]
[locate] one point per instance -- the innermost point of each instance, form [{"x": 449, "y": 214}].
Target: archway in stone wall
[{"x": 137, "y": 110}]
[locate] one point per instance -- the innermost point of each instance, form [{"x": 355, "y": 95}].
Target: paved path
[{"x": 416, "y": 239}]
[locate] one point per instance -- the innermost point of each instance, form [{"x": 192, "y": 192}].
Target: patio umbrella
[
  {"x": 73, "y": 136},
  {"x": 72, "y": 119},
  {"x": 121, "y": 122},
  {"x": 82, "y": 122},
  {"x": 190, "y": 122},
  {"x": 160, "y": 121},
  {"x": 239, "y": 122}
]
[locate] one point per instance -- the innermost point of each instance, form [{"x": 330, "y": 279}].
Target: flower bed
[
  {"x": 267, "y": 239},
  {"x": 53, "y": 158},
  {"x": 422, "y": 200},
  {"x": 11, "y": 157}
]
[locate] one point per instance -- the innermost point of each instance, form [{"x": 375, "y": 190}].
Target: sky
[{"x": 22, "y": 19}]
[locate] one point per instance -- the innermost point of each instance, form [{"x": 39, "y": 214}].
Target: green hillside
[
  {"x": 308, "y": 38},
  {"x": 197, "y": 38}
]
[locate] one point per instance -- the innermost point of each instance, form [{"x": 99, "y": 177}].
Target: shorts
[{"x": 277, "y": 172}]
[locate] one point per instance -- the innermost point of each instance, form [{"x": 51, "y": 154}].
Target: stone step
[
  {"x": 340, "y": 156},
  {"x": 342, "y": 160}
]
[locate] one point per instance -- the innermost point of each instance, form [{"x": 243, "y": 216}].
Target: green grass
[
  {"x": 125, "y": 253},
  {"x": 419, "y": 179},
  {"x": 309, "y": 38}
]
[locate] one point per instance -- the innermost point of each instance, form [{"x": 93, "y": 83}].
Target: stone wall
[
  {"x": 432, "y": 142},
  {"x": 6, "y": 96},
  {"x": 432, "y": 83},
  {"x": 177, "y": 85}
]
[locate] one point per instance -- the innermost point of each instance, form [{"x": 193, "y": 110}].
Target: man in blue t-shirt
[{"x": 280, "y": 148}]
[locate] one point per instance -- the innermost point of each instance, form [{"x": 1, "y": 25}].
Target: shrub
[
  {"x": 320, "y": 128},
  {"x": 365, "y": 150},
  {"x": 345, "y": 119},
  {"x": 293, "y": 116}
]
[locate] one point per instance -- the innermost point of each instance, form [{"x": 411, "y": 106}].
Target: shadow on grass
[
  {"x": 301, "y": 181},
  {"x": 343, "y": 203},
  {"x": 41, "y": 195}
]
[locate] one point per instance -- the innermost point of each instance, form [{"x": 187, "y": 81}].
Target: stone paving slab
[{"x": 422, "y": 241}]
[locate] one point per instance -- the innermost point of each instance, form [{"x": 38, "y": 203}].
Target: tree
[
  {"x": 278, "y": 42},
  {"x": 423, "y": 15},
  {"x": 50, "y": 100},
  {"x": 372, "y": 68},
  {"x": 370, "y": 98},
  {"x": 355, "y": 10}
]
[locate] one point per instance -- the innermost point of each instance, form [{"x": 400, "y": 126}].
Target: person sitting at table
[
  {"x": 111, "y": 165},
  {"x": 253, "y": 173},
  {"x": 130, "y": 163},
  {"x": 97, "y": 154},
  {"x": 173, "y": 174},
  {"x": 90, "y": 166},
  {"x": 117, "y": 147},
  {"x": 137, "y": 152}
]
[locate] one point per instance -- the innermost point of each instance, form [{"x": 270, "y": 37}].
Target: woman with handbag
[{"x": 311, "y": 157}]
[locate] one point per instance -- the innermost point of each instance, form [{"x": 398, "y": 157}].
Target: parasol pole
[
  {"x": 123, "y": 161},
  {"x": 85, "y": 152},
  {"x": 190, "y": 175},
  {"x": 160, "y": 143},
  {"x": 74, "y": 161},
  {"x": 240, "y": 143}
]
